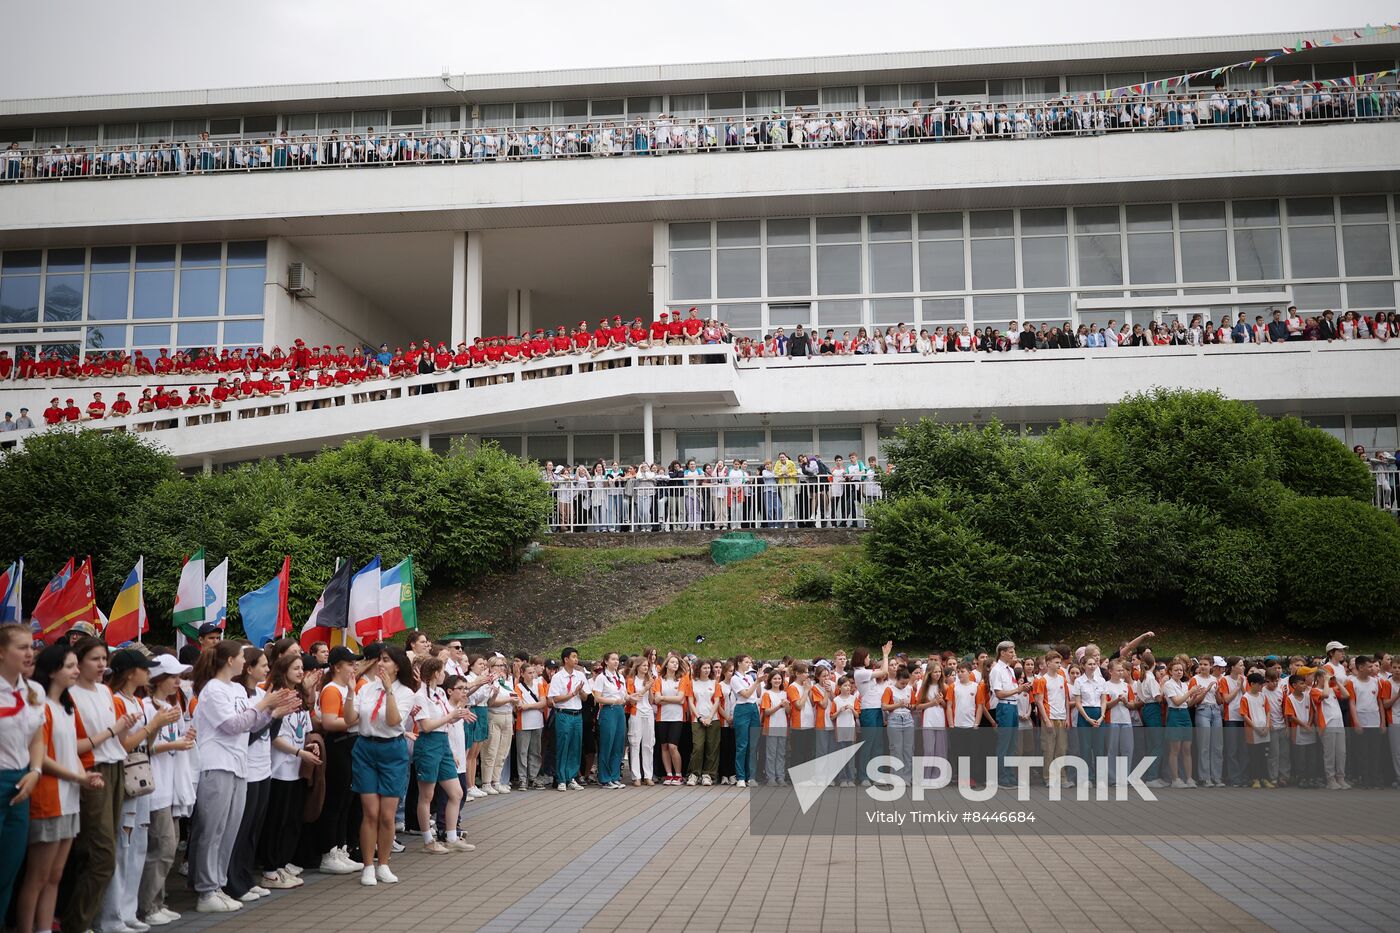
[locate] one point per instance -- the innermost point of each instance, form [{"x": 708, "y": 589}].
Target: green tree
[
  {"x": 493, "y": 504},
  {"x": 71, "y": 493}
]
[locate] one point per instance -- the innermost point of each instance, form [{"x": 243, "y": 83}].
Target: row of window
[
  {"x": 1374, "y": 431},
  {"x": 120, "y": 283},
  {"x": 1090, "y": 247},
  {"x": 725, "y": 103}
]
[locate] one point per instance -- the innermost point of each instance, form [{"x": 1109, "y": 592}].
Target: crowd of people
[
  {"x": 238, "y": 373},
  {"x": 270, "y": 762},
  {"x": 796, "y": 128},
  {"x": 723, "y": 494}
]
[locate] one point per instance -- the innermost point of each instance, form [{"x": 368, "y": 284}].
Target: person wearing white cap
[{"x": 173, "y": 773}]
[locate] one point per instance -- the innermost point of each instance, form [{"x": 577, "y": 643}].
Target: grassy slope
[{"x": 739, "y": 610}]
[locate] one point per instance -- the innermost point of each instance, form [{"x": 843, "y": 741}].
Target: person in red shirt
[
  {"x": 477, "y": 352},
  {"x": 618, "y": 332},
  {"x": 121, "y": 407},
  {"x": 462, "y": 359},
  {"x": 53, "y": 414},
  {"x": 559, "y": 342},
  {"x": 658, "y": 329},
  {"x": 71, "y": 411},
  {"x": 582, "y": 338},
  {"x": 7, "y": 365},
  {"x": 675, "y": 330},
  {"x": 301, "y": 357},
  {"x": 510, "y": 353},
  {"x": 164, "y": 364},
  {"x": 637, "y": 334},
  {"x": 220, "y": 392},
  {"x": 173, "y": 400},
  {"x": 692, "y": 326},
  {"x": 194, "y": 398},
  {"x": 495, "y": 351},
  {"x": 602, "y": 337},
  {"x": 146, "y": 403},
  {"x": 24, "y": 369},
  {"x": 539, "y": 344},
  {"x": 442, "y": 359}
]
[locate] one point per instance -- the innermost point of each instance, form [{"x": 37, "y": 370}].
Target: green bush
[
  {"x": 1153, "y": 552},
  {"x": 1232, "y": 581},
  {"x": 1314, "y": 463},
  {"x": 925, "y": 574},
  {"x": 810, "y": 584},
  {"x": 493, "y": 505},
  {"x": 1338, "y": 565}
]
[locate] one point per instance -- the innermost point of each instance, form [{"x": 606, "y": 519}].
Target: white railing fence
[
  {"x": 641, "y": 501},
  {"x": 1387, "y": 495}
]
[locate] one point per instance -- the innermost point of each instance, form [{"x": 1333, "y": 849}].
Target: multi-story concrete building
[{"x": 465, "y": 205}]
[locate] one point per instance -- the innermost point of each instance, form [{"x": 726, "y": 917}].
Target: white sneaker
[
  {"x": 1190, "y": 782},
  {"x": 367, "y": 877},
  {"x": 1178, "y": 783},
  {"x": 383, "y": 873},
  {"x": 705, "y": 781},
  {"x": 476, "y": 792},
  {"x": 741, "y": 783},
  {"x": 502, "y": 788},
  {"x": 562, "y": 787},
  {"x": 233, "y": 903},
  {"x": 170, "y": 915},
  {"x": 399, "y": 827},
  {"x": 491, "y": 789},
  {"x": 691, "y": 781},
  {"x": 396, "y": 846},
  {"x": 280, "y": 882},
  {"x": 212, "y": 904},
  {"x": 260, "y": 891},
  {"x": 138, "y": 926},
  {"x": 333, "y": 863},
  {"x": 575, "y": 785},
  {"x": 156, "y": 919},
  {"x": 345, "y": 857},
  {"x": 291, "y": 869},
  {"x": 1158, "y": 783},
  {"x": 249, "y": 896}
]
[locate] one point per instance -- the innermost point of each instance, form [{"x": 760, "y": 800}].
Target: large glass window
[
  {"x": 1312, "y": 251},
  {"x": 1376, "y": 432},
  {"x": 199, "y": 292},
  {"x": 838, "y": 442},
  {"x": 19, "y": 299},
  {"x": 154, "y": 295},
  {"x": 891, "y": 253},
  {"x": 1045, "y": 261},
  {"x": 738, "y": 273},
  {"x": 243, "y": 333},
  {"x": 838, "y": 266},
  {"x": 941, "y": 252},
  {"x": 748, "y": 445},
  {"x": 702, "y": 446},
  {"x": 1367, "y": 249},
  {"x": 993, "y": 249},
  {"x": 1370, "y": 295},
  {"x": 1257, "y": 255},
  {"x": 789, "y": 257},
  {"x": 690, "y": 274},
  {"x": 1204, "y": 256},
  {"x": 1151, "y": 256},
  {"x": 63, "y": 297},
  {"x": 1100, "y": 259}
]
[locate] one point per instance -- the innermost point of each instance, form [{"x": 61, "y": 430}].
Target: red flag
[
  {"x": 68, "y": 599},
  {"x": 284, "y": 579}
]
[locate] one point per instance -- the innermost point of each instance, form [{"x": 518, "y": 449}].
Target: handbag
[{"x": 137, "y": 776}]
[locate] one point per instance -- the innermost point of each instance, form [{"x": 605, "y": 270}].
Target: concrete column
[
  {"x": 648, "y": 433},
  {"x": 526, "y": 318},
  {"x": 517, "y": 311},
  {"x": 668, "y": 447},
  {"x": 425, "y": 439},
  {"x": 474, "y": 287},
  {"x": 466, "y": 287},
  {"x": 870, "y": 439},
  {"x": 660, "y": 275},
  {"x": 207, "y": 464}
]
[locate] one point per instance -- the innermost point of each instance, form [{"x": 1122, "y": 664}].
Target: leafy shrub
[
  {"x": 1232, "y": 581},
  {"x": 1338, "y": 564},
  {"x": 1314, "y": 463},
  {"x": 810, "y": 584}
]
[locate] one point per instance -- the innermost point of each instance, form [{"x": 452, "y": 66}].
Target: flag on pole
[
  {"x": 398, "y": 611},
  {"x": 128, "y": 618},
  {"x": 216, "y": 595},
  {"x": 11, "y": 590},
  {"x": 68, "y": 599},
  {"x": 264, "y": 611},
  {"x": 364, "y": 603},
  {"x": 332, "y": 609},
  {"x": 189, "y": 596}
]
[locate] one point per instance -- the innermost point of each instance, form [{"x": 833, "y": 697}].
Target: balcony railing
[
  {"x": 778, "y": 130},
  {"x": 1387, "y": 494},
  {"x": 635, "y": 501}
]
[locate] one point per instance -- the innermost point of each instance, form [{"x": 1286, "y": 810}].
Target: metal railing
[
  {"x": 1387, "y": 495},
  {"x": 644, "y": 501},
  {"x": 785, "y": 129}
]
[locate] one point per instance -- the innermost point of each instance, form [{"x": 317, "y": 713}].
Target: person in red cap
[
  {"x": 692, "y": 326},
  {"x": 7, "y": 365},
  {"x": 675, "y": 329},
  {"x": 478, "y": 352},
  {"x": 462, "y": 359},
  {"x": 71, "y": 411},
  {"x": 121, "y": 407},
  {"x": 658, "y": 330},
  {"x": 53, "y": 414},
  {"x": 442, "y": 358},
  {"x": 637, "y": 334},
  {"x": 581, "y": 337},
  {"x": 96, "y": 409},
  {"x": 559, "y": 343},
  {"x": 24, "y": 368},
  {"x": 618, "y": 333}
]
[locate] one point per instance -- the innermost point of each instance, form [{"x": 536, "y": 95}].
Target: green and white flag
[{"x": 189, "y": 598}]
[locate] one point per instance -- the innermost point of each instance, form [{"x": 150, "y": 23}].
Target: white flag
[{"x": 216, "y": 595}]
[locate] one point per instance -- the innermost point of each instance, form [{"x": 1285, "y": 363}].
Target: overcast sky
[{"x": 52, "y": 48}]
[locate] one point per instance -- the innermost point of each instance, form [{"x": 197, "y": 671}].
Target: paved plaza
[{"x": 683, "y": 859}]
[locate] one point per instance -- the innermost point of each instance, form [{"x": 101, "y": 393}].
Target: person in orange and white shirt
[
  {"x": 1050, "y": 692},
  {"x": 1331, "y": 720},
  {"x": 965, "y": 708},
  {"x": 822, "y": 690},
  {"x": 773, "y": 710},
  {"x": 529, "y": 724},
  {"x": 338, "y": 718},
  {"x": 844, "y": 713},
  {"x": 669, "y": 695},
  {"x": 1304, "y": 764},
  {"x": 1210, "y": 731},
  {"x": 897, "y": 704},
  {"x": 1231, "y": 687},
  {"x": 1275, "y": 688},
  {"x": 1251, "y": 711},
  {"x": 704, "y": 702},
  {"x": 1369, "y": 746},
  {"x": 53, "y": 807},
  {"x": 610, "y": 694},
  {"x": 641, "y": 722},
  {"x": 1389, "y": 697},
  {"x": 1119, "y": 700}
]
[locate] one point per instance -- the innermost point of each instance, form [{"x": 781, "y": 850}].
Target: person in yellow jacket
[{"x": 786, "y": 471}]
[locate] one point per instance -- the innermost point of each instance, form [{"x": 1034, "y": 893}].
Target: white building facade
[{"x": 142, "y": 221}]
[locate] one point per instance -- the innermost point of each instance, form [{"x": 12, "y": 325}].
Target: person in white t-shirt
[
  {"x": 773, "y": 708},
  {"x": 1367, "y": 717},
  {"x": 1210, "y": 735},
  {"x": 171, "y": 753},
  {"x": 897, "y": 703},
  {"x": 610, "y": 694},
  {"x": 704, "y": 700},
  {"x": 379, "y": 761},
  {"x": 1179, "y": 697},
  {"x": 1274, "y": 690},
  {"x": 743, "y": 700},
  {"x": 1119, "y": 699},
  {"x": 1331, "y": 720},
  {"x": 1051, "y": 693},
  {"x": 433, "y": 761},
  {"x": 668, "y": 693},
  {"x": 870, "y": 687}
]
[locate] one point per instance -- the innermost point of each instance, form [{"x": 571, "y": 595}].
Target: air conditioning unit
[{"x": 301, "y": 280}]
